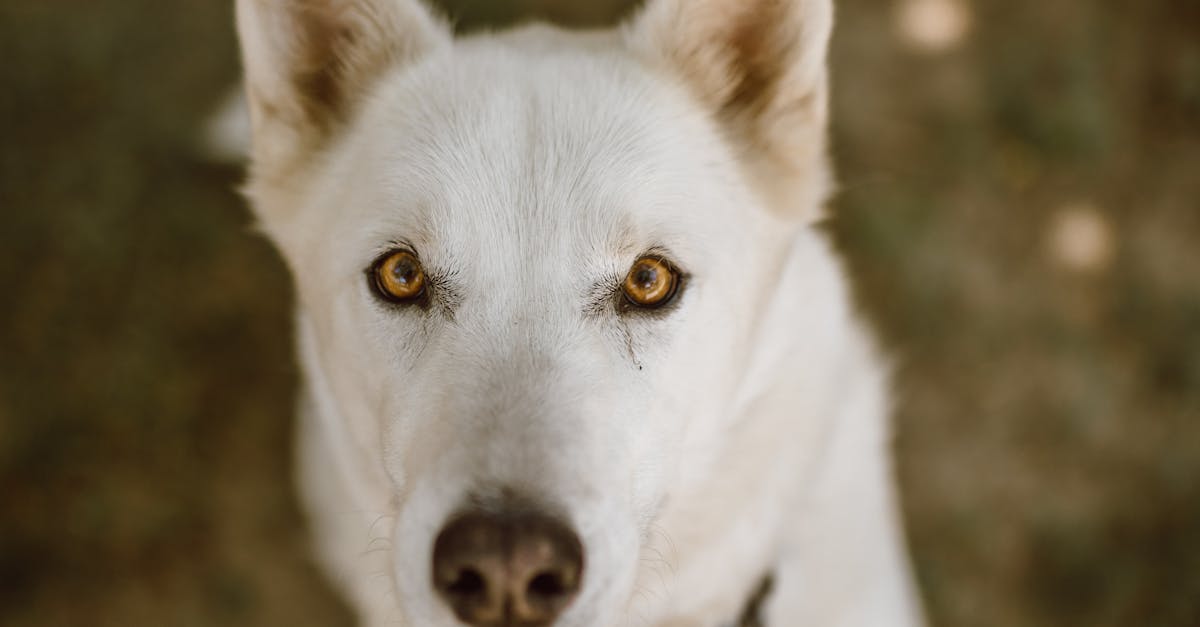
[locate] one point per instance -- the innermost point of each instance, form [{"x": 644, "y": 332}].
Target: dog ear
[
  {"x": 759, "y": 65},
  {"x": 309, "y": 62}
]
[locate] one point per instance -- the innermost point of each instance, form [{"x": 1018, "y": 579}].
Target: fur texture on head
[{"x": 734, "y": 431}]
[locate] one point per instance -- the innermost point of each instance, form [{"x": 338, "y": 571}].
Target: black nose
[{"x": 507, "y": 570}]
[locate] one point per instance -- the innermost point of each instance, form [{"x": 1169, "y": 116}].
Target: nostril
[
  {"x": 468, "y": 583},
  {"x": 547, "y": 585}
]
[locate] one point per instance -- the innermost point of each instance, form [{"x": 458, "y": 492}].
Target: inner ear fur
[{"x": 309, "y": 62}]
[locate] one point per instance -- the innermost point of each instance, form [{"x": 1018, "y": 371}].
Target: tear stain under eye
[
  {"x": 607, "y": 299},
  {"x": 629, "y": 344},
  {"x": 603, "y": 299}
]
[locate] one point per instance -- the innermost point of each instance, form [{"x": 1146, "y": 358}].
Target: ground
[{"x": 1019, "y": 204}]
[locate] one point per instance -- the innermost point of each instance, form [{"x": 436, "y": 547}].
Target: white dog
[{"x": 574, "y": 354}]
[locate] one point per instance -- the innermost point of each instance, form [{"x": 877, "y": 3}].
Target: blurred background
[{"x": 1020, "y": 208}]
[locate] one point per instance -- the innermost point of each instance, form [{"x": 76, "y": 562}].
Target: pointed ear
[
  {"x": 759, "y": 65},
  {"x": 308, "y": 62}
]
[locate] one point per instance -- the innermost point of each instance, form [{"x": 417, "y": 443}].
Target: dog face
[{"x": 530, "y": 270}]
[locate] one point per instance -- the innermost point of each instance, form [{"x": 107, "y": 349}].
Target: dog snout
[{"x": 507, "y": 570}]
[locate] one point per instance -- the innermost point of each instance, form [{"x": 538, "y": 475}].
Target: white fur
[{"x": 742, "y": 433}]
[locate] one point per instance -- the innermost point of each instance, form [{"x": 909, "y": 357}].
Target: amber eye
[
  {"x": 651, "y": 282},
  {"x": 398, "y": 276}
]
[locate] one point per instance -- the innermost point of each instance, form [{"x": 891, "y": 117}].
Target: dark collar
[{"x": 752, "y": 613}]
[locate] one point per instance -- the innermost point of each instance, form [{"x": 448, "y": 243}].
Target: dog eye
[
  {"x": 398, "y": 277},
  {"x": 652, "y": 282}
]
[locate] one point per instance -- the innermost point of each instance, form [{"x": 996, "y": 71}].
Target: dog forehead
[
  {"x": 525, "y": 102},
  {"x": 556, "y": 131}
]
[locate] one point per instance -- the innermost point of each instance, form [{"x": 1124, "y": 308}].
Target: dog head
[{"x": 530, "y": 268}]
